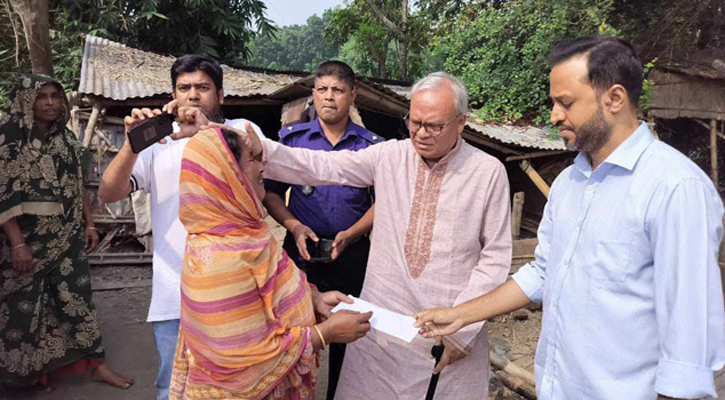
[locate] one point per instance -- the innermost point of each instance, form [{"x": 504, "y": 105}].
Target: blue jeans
[{"x": 165, "y": 334}]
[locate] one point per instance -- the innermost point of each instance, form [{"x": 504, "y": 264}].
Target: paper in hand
[{"x": 384, "y": 320}]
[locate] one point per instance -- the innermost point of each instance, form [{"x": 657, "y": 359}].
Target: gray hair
[{"x": 435, "y": 79}]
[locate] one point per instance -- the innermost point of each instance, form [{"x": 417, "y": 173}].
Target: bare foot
[{"x": 107, "y": 375}]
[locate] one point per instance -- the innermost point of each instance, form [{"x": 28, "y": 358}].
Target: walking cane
[{"x": 437, "y": 352}]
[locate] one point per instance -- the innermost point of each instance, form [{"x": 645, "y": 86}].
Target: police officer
[{"x": 323, "y": 215}]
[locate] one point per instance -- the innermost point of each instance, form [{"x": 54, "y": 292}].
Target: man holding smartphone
[
  {"x": 198, "y": 94},
  {"x": 327, "y": 225}
]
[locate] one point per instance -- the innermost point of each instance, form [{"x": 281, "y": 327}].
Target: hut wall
[{"x": 684, "y": 96}]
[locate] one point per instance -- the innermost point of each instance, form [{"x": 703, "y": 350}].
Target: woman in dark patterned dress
[{"x": 47, "y": 319}]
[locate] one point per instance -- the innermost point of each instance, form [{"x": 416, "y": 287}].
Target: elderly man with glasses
[{"x": 441, "y": 237}]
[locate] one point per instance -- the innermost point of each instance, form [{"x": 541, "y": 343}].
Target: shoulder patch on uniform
[
  {"x": 290, "y": 129},
  {"x": 369, "y": 136}
]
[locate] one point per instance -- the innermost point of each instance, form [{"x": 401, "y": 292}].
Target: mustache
[{"x": 564, "y": 127}]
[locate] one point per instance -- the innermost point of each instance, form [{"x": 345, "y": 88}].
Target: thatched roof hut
[{"x": 692, "y": 85}]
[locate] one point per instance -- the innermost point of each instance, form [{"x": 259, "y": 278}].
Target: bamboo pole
[
  {"x": 535, "y": 177},
  {"x": 713, "y": 153},
  {"x": 92, "y": 121},
  {"x": 514, "y": 377},
  {"x": 517, "y": 385},
  {"x": 504, "y": 364},
  {"x": 536, "y": 155},
  {"x": 517, "y": 213}
]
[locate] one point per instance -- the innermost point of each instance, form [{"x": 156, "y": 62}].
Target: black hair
[
  {"x": 232, "y": 140},
  {"x": 610, "y": 61},
  {"x": 339, "y": 70},
  {"x": 197, "y": 62}
]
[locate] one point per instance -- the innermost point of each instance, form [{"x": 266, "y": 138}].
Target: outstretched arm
[
  {"x": 309, "y": 167},
  {"x": 446, "y": 321}
]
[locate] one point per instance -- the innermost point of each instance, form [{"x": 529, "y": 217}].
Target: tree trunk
[
  {"x": 34, "y": 15},
  {"x": 399, "y": 32},
  {"x": 380, "y": 57},
  {"x": 403, "y": 42},
  {"x": 403, "y": 60}
]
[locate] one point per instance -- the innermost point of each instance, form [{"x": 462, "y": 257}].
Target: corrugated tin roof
[
  {"x": 523, "y": 136},
  {"x": 118, "y": 72}
]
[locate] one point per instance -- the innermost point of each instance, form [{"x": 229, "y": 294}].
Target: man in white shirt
[
  {"x": 626, "y": 265},
  {"x": 197, "y": 87}
]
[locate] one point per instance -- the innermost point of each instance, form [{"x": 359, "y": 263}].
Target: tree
[
  {"x": 381, "y": 30},
  {"x": 355, "y": 24},
  {"x": 399, "y": 31},
  {"x": 501, "y": 52},
  {"x": 34, "y": 16},
  {"x": 662, "y": 28},
  {"x": 296, "y": 47},
  {"x": 219, "y": 28}
]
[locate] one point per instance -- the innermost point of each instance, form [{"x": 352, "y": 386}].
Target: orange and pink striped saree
[{"x": 246, "y": 308}]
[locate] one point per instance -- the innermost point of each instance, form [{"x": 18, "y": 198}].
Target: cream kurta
[{"x": 441, "y": 237}]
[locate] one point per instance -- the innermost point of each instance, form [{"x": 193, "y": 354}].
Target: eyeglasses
[{"x": 431, "y": 128}]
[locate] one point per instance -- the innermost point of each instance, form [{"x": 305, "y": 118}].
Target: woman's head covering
[
  {"x": 244, "y": 304},
  {"x": 43, "y": 171},
  {"x": 22, "y": 100}
]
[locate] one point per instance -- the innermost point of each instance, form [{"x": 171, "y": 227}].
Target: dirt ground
[
  {"x": 128, "y": 339},
  {"x": 130, "y": 345}
]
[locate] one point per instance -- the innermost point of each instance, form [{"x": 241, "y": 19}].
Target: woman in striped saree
[{"x": 248, "y": 314}]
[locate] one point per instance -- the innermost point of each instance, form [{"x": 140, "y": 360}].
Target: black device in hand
[
  {"x": 320, "y": 251},
  {"x": 150, "y": 131}
]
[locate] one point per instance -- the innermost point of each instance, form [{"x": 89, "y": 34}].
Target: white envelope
[{"x": 384, "y": 320}]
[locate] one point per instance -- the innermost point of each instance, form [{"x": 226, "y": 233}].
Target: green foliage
[
  {"x": 296, "y": 47},
  {"x": 645, "y": 100},
  {"x": 220, "y": 28},
  {"x": 501, "y": 54},
  {"x": 372, "y": 49},
  {"x": 364, "y": 40}
]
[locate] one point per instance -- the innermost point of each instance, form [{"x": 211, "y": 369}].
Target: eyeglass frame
[{"x": 427, "y": 125}]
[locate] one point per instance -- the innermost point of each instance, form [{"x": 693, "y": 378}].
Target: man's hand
[
  {"x": 191, "y": 119},
  {"x": 22, "y": 258},
  {"x": 326, "y": 301},
  {"x": 301, "y": 232},
  {"x": 91, "y": 238},
  {"x": 450, "y": 355},
  {"x": 342, "y": 240},
  {"x": 248, "y": 136},
  {"x": 346, "y": 326},
  {"x": 438, "y": 322},
  {"x": 138, "y": 116}
]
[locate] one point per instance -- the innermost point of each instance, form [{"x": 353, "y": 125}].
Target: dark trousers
[{"x": 345, "y": 274}]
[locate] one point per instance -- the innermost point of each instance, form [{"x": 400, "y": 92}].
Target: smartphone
[
  {"x": 151, "y": 131},
  {"x": 320, "y": 251}
]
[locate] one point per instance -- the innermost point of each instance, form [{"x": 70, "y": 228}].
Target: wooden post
[
  {"x": 92, "y": 121},
  {"x": 713, "y": 153},
  {"x": 75, "y": 121},
  {"x": 517, "y": 213},
  {"x": 535, "y": 177},
  {"x": 355, "y": 115},
  {"x": 504, "y": 364}
]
